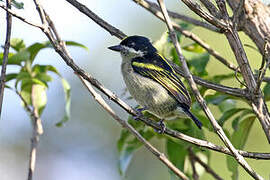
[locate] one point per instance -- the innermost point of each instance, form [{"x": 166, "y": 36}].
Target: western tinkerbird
[{"x": 151, "y": 81}]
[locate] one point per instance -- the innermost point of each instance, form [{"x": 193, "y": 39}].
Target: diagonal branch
[
  {"x": 239, "y": 158},
  {"x": 204, "y": 165},
  {"x": 111, "y": 29},
  {"x": 153, "y": 7},
  {"x": 257, "y": 102},
  {"x": 202, "y": 143},
  {"x": 133, "y": 131},
  {"x": 5, "y": 56}
]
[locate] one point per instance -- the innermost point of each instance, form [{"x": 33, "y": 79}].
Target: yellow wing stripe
[
  {"x": 164, "y": 59},
  {"x": 147, "y": 66}
]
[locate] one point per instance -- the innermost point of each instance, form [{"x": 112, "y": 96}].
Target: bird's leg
[
  {"x": 162, "y": 126},
  {"x": 139, "y": 113}
]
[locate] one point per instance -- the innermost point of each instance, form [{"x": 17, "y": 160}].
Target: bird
[{"x": 152, "y": 81}]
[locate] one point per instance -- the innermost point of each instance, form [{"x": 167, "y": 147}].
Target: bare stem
[
  {"x": 204, "y": 165},
  {"x": 5, "y": 56}
]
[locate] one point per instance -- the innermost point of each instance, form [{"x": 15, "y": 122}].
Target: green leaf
[
  {"x": 194, "y": 47},
  {"x": 17, "y": 44},
  {"x": 26, "y": 94},
  {"x": 219, "y": 78},
  {"x": 236, "y": 121},
  {"x": 11, "y": 76},
  {"x": 36, "y": 47},
  {"x": 44, "y": 78},
  {"x": 240, "y": 136},
  {"x": 227, "y": 105},
  {"x": 177, "y": 153},
  {"x": 198, "y": 61},
  {"x": 127, "y": 144},
  {"x": 266, "y": 91},
  {"x": 18, "y": 5},
  {"x": 232, "y": 166},
  {"x": 17, "y": 58},
  {"x": 67, "y": 89},
  {"x": 239, "y": 139},
  {"x": 73, "y": 43},
  {"x": 227, "y": 114},
  {"x": 39, "y": 97},
  {"x": 125, "y": 159},
  {"x": 45, "y": 68},
  {"x": 32, "y": 81},
  {"x": 216, "y": 99}
]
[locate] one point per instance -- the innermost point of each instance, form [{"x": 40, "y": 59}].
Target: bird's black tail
[{"x": 196, "y": 120}]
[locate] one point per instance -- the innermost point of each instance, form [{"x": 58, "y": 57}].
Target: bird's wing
[{"x": 158, "y": 69}]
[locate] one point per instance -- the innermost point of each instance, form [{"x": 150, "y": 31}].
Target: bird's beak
[{"x": 117, "y": 48}]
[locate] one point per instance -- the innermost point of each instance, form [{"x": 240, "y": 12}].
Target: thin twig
[
  {"x": 236, "y": 77},
  {"x": 111, "y": 29},
  {"x": 202, "y": 143},
  {"x": 155, "y": 8},
  {"x": 262, "y": 70},
  {"x": 5, "y": 55},
  {"x": 133, "y": 131},
  {"x": 208, "y": 17},
  {"x": 257, "y": 103},
  {"x": 211, "y": 8},
  {"x": 203, "y": 164},
  {"x": 36, "y": 132},
  {"x": 237, "y": 13},
  {"x": 200, "y": 100},
  {"x": 13, "y": 13},
  {"x": 193, "y": 167},
  {"x": 187, "y": 34},
  {"x": 237, "y": 92}
]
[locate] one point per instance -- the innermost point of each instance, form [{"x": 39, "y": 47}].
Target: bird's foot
[
  {"x": 139, "y": 113},
  {"x": 162, "y": 127}
]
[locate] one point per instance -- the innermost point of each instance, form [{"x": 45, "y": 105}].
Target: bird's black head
[{"x": 135, "y": 46}]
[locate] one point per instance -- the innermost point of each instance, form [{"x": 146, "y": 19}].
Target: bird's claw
[
  {"x": 162, "y": 127},
  {"x": 139, "y": 113}
]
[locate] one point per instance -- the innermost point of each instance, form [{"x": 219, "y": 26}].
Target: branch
[
  {"x": 60, "y": 49},
  {"x": 204, "y": 165},
  {"x": 13, "y": 13},
  {"x": 224, "y": 89},
  {"x": 112, "y": 30},
  {"x": 153, "y": 7},
  {"x": 262, "y": 70},
  {"x": 208, "y": 17},
  {"x": 37, "y": 131},
  {"x": 5, "y": 55},
  {"x": 193, "y": 167},
  {"x": 257, "y": 102},
  {"x": 133, "y": 131},
  {"x": 217, "y": 87},
  {"x": 211, "y": 8},
  {"x": 239, "y": 158},
  {"x": 187, "y": 34}
]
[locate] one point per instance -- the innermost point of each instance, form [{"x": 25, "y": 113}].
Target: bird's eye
[{"x": 132, "y": 44}]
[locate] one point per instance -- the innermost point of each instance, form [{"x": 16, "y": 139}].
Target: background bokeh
[{"x": 85, "y": 148}]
